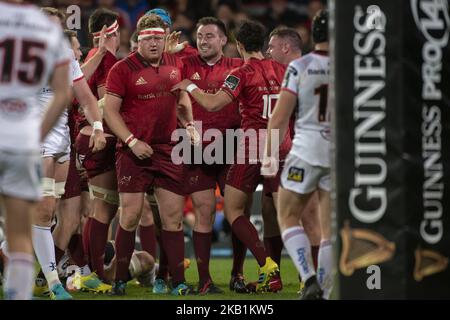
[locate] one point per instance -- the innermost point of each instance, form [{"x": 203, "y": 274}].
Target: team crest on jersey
[
  {"x": 173, "y": 74},
  {"x": 141, "y": 81},
  {"x": 195, "y": 76},
  {"x": 296, "y": 174},
  {"x": 232, "y": 82}
]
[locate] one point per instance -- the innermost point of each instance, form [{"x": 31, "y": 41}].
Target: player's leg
[
  {"x": 147, "y": 233},
  {"x": 19, "y": 275},
  {"x": 43, "y": 243},
  {"x": 325, "y": 263},
  {"x": 61, "y": 173},
  {"x": 20, "y": 192},
  {"x": 205, "y": 208},
  {"x": 293, "y": 195},
  {"x": 235, "y": 203},
  {"x": 103, "y": 193},
  {"x": 311, "y": 223},
  {"x": 172, "y": 236},
  {"x": 272, "y": 237},
  {"x": 237, "y": 281},
  {"x": 131, "y": 210}
]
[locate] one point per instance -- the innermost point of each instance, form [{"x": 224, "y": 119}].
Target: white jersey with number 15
[
  {"x": 307, "y": 78},
  {"x": 31, "y": 47}
]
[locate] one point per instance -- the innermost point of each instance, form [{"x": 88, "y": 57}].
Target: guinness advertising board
[{"x": 391, "y": 70}]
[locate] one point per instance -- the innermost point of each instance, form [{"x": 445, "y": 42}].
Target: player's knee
[
  {"x": 129, "y": 218},
  {"x": 204, "y": 216}
]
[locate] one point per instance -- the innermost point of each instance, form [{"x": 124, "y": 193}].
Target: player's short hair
[
  {"x": 212, "y": 20},
  {"x": 50, "y": 11},
  {"x": 252, "y": 35},
  {"x": 150, "y": 21},
  {"x": 70, "y": 34},
  {"x": 101, "y": 17},
  {"x": 288, "y": 34}
]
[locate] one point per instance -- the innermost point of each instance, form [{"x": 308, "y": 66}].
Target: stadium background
[{"x": 411, "y": 266}]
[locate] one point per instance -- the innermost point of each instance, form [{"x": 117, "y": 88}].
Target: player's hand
[
  {"x": 182, "y": 85},
  {"x": 97, "y": 141},
  {"x": 269, "y": 167},
  {"x": 102, "y": 41},
  {"x": 193, "y": 134},
  {"x": 142, "y": 150},
  {"x": 172, "y": 45}
]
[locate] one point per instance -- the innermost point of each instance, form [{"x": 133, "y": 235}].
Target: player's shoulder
[
  {"x": 302, "y": 63},
  {"x": 31, "y": 19},
  {"x": 276, "y": 66},
  {"x": 128, "y": 64},
  {"x": 191, "y": 61},
  {"x": 232, "y": 62},
  {"x": 172, "y": 60}
]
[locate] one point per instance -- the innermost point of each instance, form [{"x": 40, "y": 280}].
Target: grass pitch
[{"x": 220, "y": 272}]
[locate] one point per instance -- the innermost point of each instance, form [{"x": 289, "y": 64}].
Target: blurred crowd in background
[{"x": 185, "y": 13}]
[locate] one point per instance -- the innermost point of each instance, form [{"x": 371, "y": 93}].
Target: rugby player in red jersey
[
  {"x": 100, "y": 166},
  {"x": 256, "y": 86},
  {"x": 142, "y": 112},
  {"x": 208, "y": 69}
]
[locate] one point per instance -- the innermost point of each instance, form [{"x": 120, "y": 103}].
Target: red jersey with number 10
[
  {"x": 148, "y": 106},
  {"x": 256, "y": 85}
]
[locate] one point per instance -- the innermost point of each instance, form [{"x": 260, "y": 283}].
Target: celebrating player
[
  {"x": 307, "y": 166},
  {"x": 208, "y": 70},
  {"x": 142, "y": 112},
  {"x": 255, "y": 85}
]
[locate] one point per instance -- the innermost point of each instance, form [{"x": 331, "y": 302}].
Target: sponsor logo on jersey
[
  {"x": 195, "y": 76},
  {"x": 296, "y": 174},
  {"x": 232, "y": 82},
  {"x": 141, "y": 81}
]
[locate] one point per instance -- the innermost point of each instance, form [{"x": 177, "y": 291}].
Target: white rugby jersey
[
  {"x": 31, "y": 46},
  {"x": 45, "y": 95},
  {"x": 308, "y": 78}
]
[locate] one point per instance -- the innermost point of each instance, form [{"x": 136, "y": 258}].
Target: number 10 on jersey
[{"x": 268, "y": 103}]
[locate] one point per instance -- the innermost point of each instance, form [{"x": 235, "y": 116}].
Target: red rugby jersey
[
  {"x": 256, "y": 85},
  {"x": 186, "y": 52},
  {"x": 148, "y": 106},
  {"x": 210, "y": 78},
  {"x": 98, "y": 79}
]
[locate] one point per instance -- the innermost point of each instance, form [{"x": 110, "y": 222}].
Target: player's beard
[{"x": 210, "y": 54}]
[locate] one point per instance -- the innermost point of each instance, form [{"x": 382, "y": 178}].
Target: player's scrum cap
[{"x": 163, "y": 14}]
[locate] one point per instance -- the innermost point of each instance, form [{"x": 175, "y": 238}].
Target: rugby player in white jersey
[
  {"x": 31, "y": 56},
  {"x": 307, "y": 167},
  {"x": 55, "y": 152}
]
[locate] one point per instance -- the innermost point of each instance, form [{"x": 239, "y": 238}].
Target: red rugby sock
[{"x": 247, "y": 233}]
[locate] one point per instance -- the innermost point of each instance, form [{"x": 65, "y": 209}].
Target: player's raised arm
[
  {"x": 60, "y": 85},
  {"x": 211, "y": 102},
  {"x": 92, "y": 64},
  {"x": 90, "y": 107}
]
